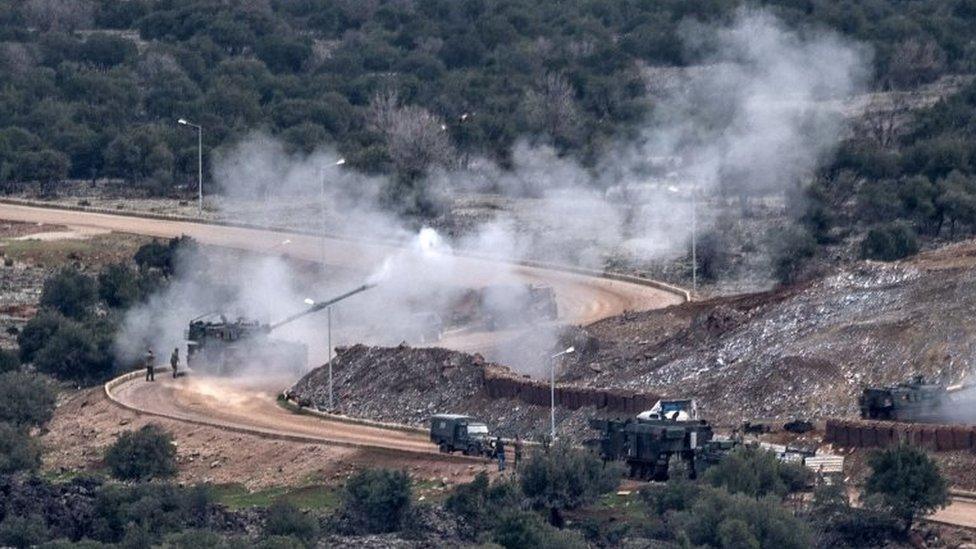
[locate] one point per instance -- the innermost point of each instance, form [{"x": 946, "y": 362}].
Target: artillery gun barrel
[
  {"x": 320, "y": 306},
  {"x": 958, "y": 387}
]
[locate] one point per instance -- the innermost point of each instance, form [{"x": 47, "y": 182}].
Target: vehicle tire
[{"x": 443, "y": 448}]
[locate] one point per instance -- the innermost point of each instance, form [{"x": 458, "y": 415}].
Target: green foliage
[
  {"x": 26, "y": 400},
  {"x": 70, "y": 292},
  {"x": 795, "y": 246},
  {"x": 839, "y": 524},
  {"x": 284, "y": 519},
  {"x": 162, "y": 257},
  {"x": 37, "y": 332},
  {"x": 118, "y": 286},
  {"x": 478, "y": 502},
  {"x": 566, "y": 477},
  {"x": 756, "y": 473},
  {"x": 516, "y": 529},
  {"x": 907, "y": 482},
  {"x": 719, "y": 519},
  {"x": 889, "y": 242},
  {"x": 17, "y": 531},
  {"x": 142, "y": 455},
  {"x": 75, "y": 351},
  {"x": 18, "y": 451},
  {"x": 377, "y": 500},
  {"x": 147, "y": 511},
  {"x": 9, "y": 361}
]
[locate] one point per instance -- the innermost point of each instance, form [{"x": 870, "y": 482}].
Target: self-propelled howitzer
[{"x": 217, "y": 345}]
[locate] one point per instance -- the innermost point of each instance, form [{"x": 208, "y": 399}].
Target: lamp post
[
  {"x": 185, "y": 122},
  {"x": 552, "y": 390},
  {"x": 694, "y": 235}
]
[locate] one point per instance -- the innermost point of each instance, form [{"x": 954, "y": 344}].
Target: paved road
[{"x": 582, "y": 299}]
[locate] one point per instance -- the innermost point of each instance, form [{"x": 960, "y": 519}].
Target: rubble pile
[
  {"x": 408, "y": 385},
  {"x": 802, "y": 351}
]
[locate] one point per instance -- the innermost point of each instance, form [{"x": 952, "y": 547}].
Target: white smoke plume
[{"x": 754, "y": 116}]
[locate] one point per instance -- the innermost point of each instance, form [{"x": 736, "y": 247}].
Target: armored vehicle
[
  {"x": 220, "y": 346},
  {"x": 914, "y": 400},
  {"x": 648, "y": 445},
  {"x": 452, "y": 432}
]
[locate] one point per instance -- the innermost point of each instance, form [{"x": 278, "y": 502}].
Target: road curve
[{"x": 582, "y": 299}]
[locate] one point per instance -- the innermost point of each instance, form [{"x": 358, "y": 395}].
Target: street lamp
[
  {"x": 184, "y": 122},
  {"x": 694, "y": 236},
  {"x": 552, "y": 390}
]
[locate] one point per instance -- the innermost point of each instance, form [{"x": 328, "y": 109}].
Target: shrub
[
  {"x": 26, "y": 400},
  {"x": 377, "y": 500},
  {"x": 284, "y": 519},
  {"x": 36, "y": 333},
  {"x": 196, "y": 539},
  {"x": 566, "y": 477},
  {"x": 118, "y": 286},
  {"x": 70, "y": 292},
  {"x": 889, "y": 242},
  {"x": 9, "y": 361},
  {"x": 517, "y": 529},
  {"x": 18, "y": 451},
  {"x": 756, "y": 473},
  {"x": 477, "y": 502},
  {"x": 147, "y": 511},
  {"x": 907, "y": 482},
  {"x": 712, "y": 254},
  {"x": 17, "y": 531},
  {"x": 794, "y": 247},
  {"x": 77, "y": 353},
  {"x": 142, "y": 455},
  {"x": 157, "y": 255}
]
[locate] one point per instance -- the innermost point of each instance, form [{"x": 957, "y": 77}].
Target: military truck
[
  {"x": 647, "y": 443},
  {"x": 220, "y": 346},
  {"x": 453, "y": 432},
  {"x": 914, "y": 400}
]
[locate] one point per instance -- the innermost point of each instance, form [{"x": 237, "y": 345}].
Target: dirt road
[{"x": 582, "y": 299}]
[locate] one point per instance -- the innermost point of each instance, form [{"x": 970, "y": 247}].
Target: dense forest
[{"x": 93, "y": 88}]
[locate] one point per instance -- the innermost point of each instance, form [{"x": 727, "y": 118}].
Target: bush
[
  {"x": 517, "y": 529},
  {"x": 77, "y": 353},
  {"x": 794, "y": 247},
  {"x": 377, "y": 500},
  {"x": 712, "y": 254},
  {"x": 142, "y": 455},
  {"x": 9, "y": 361},
  {"x": 756, "y": 473},
  {"x": 907, "y": 482},
  {"x": 162, "y": 257},
  {"x": 70, "y": 292},
  {"x": 145, "y": 512},
  {"x": 889, "y": 242},
  {"x": 720, "y": 519},
  {"x": 37, "y": 332},
  {"x": 478, "y": 502},
  {"x": 26, "y": 400},
  {"x": 566, "y": 477},
  {"x": 18, "y": 451},
  {"x": 118, "y": 286},
  {"x": 284, "y": 519},
  {"x": 16, "y": 531},
  {"x": 196, "y": 539}
]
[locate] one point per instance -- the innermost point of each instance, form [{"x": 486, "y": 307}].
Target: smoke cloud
[{"x": 753, "y": 116}]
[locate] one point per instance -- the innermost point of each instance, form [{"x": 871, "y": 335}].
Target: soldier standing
[
  {"x": 500, "y": 453},
  {"x": 174, "y": 361},
  {"x": 150, "y": 364},
  {"x": 518, "y": 451}
]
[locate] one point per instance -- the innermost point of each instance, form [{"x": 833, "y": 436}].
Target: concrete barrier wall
[
  {"x": 501, "y": 384},
  {"x": 882, "y": 434}
]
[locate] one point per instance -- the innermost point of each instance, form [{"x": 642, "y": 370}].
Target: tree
[
  {"x": 22, "y": 531},
  {"x": 889, "y": 242},
  {"x": 37, "y": 332},
  {"x": 9, "y": 361},
  {"x": 478, "y": 502},
  {"x": 18, "y": 451},
  {"x": 517, "y": 529},
  {"x": 908, "y": 483},
  {"x": 70, "y": 292},
  {"x": 793, "y": 248},
  {"x": 44, "y": 166},
  {"x": 566, "y": 477},
  {"x": 284, "y": 519},
  {"x": 756, "y": 473},
  {"x": 58, "y": 15},
  {"x": 77, "y": 353},
  {"x": 377, "y": 500},
  {"x": 145, "y": 454},
  {"x": 118, "y": 286},
  {"x": 26, "y": 400}
]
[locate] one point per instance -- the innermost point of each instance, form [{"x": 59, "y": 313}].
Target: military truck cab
[{"x": 453, "y": 432}]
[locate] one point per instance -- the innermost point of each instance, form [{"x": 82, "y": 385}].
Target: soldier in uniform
[
  {"x": 518, "y": 451},
  {"x": 500, "y": 453},
  {"x": 150, "y": 365},
  {"x": 174, "y": 360}
]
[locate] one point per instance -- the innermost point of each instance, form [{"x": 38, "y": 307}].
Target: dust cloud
[{"x": 753, "y": 115}]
